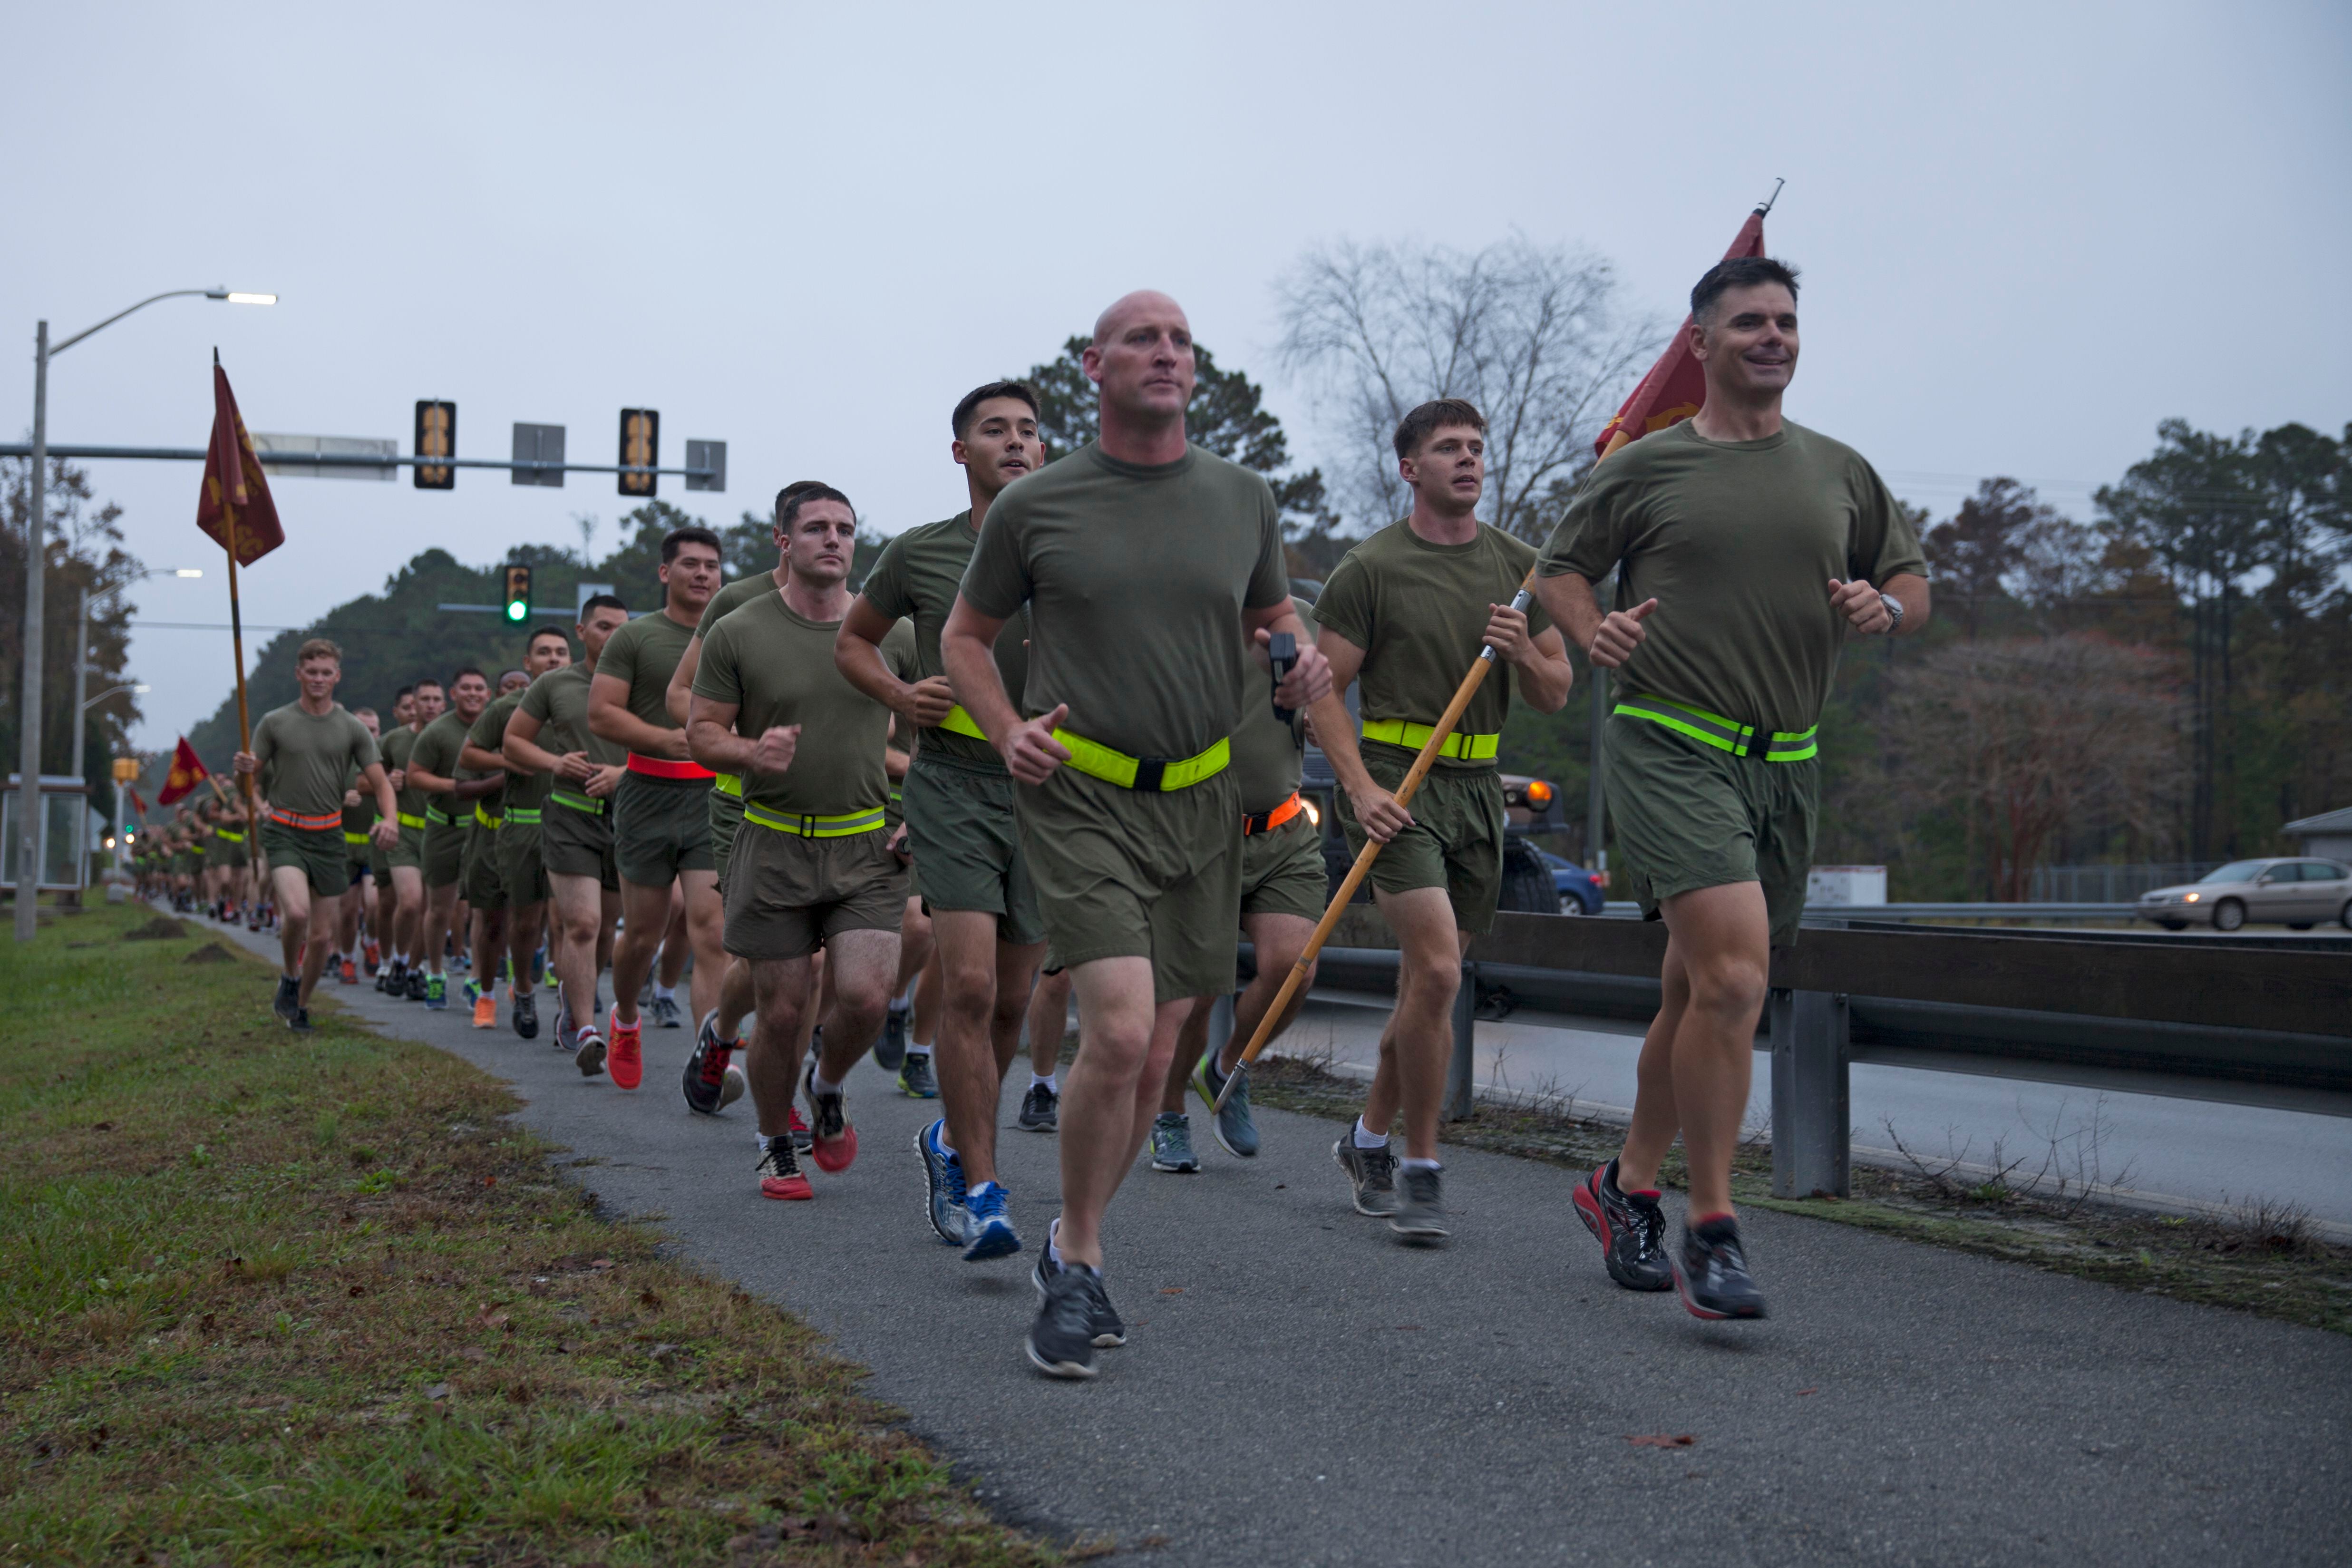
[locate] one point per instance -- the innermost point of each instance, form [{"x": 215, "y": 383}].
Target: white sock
[
  {"x": 821, "y": 1086},
  {"x": 1410, "y": 1163},
  {"x": 901, "y": 1006},
  {"x": 1045, "y": 1082},
  {"x": 665, "y": 992},
  {"x": 762, "y": 1140},
  {"x": 1368, "y": 1139}
]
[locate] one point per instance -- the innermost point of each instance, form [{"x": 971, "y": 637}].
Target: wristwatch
[{"x": 1893, "y": 607}]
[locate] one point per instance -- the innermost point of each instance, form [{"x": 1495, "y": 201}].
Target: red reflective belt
[
  {"x": 1268, "y": 821},
  {"x": 663, "y": 768},
  {"x": 284, "y": 818}
]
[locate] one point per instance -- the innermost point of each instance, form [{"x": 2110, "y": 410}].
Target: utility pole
[{"x": 28, "y": 749}]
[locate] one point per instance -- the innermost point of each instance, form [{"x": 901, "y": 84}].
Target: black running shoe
[
  {"x": 1040, "y": 1109},
  {"x": 1060, "y": 1343},
  {"x": 300, "y": 1022},
  {"x": 1631, "y": 1229},
  {"x": 706, "y": 1080},
  {"x": 526, "y": 1013},
  {"x": 416, "y": 986},
  {"x": 1711, "y": 1272},
  {"x": 1105, "y": 1326},
  {"x": 890, "y": 1050},
  {"x": 289, "y": 1000}
]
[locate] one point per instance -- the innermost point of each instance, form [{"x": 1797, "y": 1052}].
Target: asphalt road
[
  {"x": 1298, "y": 1389},
  {"x": 2162, "y": 1151}
]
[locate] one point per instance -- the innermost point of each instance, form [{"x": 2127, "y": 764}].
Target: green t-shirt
[
  {"x": 730, "y": 597},
  {"x": 645, "y": 653},
  {"x": 777, "y": 669},
  {"x": 916, "y": 578},
  {"x": 1738, "y": 542},
  {"x": 528, "y": 790},
  {"x": 436, "y": 751},
  {"x": 1136, "y": 579},
  {"x": 1267, "y": 754},
  {"x": 395, "y": 750},
  {"x": 306, "y": 757},
  {"x": 559, "y": 700},
  {"x": 1419, "y": 611}
]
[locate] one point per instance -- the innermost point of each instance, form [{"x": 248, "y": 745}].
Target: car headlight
[{"x": 2191, "y": 898}]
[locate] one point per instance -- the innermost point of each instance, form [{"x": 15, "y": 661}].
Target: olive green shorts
[
  {"x": 1139, "y": 874},
  {"x": 445, "y": 851},
  {"x": 220, "y": 857},
  {"x": 1689, "y": 816},
  {"x": 575, "y": 843},
  {"x": 726, "y": 820},
  {"x": 320, "y": 854},
  {"x": 660, "y": 827},
  {"x": 480, "y": 882},
  {"x": 520, "y": 869},
  {"x": 410, "y": 851},
  {"x": 787, "y": 896},
  {"x": 361, "y": 855},
  {"x": 966, "y": 845},
  {"x": 379, "y": 863},
  {"x": 1283, "y": 873},
  {"x": 1456, "y": 841}
]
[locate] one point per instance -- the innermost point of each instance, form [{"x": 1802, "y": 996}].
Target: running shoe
[
  {"x": 833, "y": 1140},
  {"x": 436, "y": 992},
  {"x": 526, "y": 1011},
  {"x": 1171, "y": 1143},
  {"x": 566, "y": 1038},
  {"x": 1711, "y": 1272},
  {"x": 780, "y": 1172},
  {"x": 916, "y": 1081},
  {"x": 345, "y": 972},
  {"x": 666, "y": 1013},
  {"x": 890, "y": 1050},
  {"x": 803, "y": 1139},
  {"x": 627, "y": 1063},
  {"x": 486, "y": 1011},
  {"x": 300, "y": 1022},
  {"x": 471, "y": 991},
  {"x": 943, "y": 1176},
  {"x": 1631, "y": 1229},
  {"x": 383, "y": 978},
  {"x": 289, "y": 1000},
  {"x": 1235, "y": 1130},
  {"x": 371, "y": 958},
  {"x": 1061, "y": 1341},
  {"x": 416, "y": 985},
  {"x": 1371, "y": 1172},
  {"x": 589, "y": 1053},
  {"x": 1420, "y": 1213},
  {"x": 1105, "y": 1327},
  {"x": 1040, "y": 1109},
  {"x": 706, "y": 1078},
  {"x": 988, "y": 1231}
]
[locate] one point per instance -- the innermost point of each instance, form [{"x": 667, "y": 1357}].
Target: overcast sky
[{"x": 2028, "y": 233}]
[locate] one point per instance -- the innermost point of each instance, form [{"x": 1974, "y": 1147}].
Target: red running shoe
[
  {"x": 626, "y": 1061},
  {"x": 351, "y": 975},
  {"x": 833, "y": 1141},
  {"x": 780, "y": 1172}
]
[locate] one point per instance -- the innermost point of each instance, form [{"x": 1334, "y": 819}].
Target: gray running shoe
[
  {"x": 1171, "y": 1143},
  {"x": 1040, "y": 1109},
  {"x": 666, "y": 1013},
  {"x": 289, "y": 1000},
  {"x": 891, "y": 1048},
  {"x": 916, "y": 1080},
  {"x": 1372, "y": 1174},
  {"x": 1420, "y": 1213},
  {"x": 1103, "y": 1326},
  {"x": 1236, "y": 1131}
]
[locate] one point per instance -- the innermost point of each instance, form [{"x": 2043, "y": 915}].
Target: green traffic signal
[{"x": 518, "y": 600}]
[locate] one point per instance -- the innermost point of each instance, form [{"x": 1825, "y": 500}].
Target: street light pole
[{"x": 28, "y": 751}]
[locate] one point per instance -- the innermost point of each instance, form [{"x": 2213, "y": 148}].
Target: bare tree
[
  {"x": 2034, "y": 737},
  {"x": 1531, "y": 335}
]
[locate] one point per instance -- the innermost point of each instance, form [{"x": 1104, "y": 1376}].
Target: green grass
[{"x": 267, "y": 1299}]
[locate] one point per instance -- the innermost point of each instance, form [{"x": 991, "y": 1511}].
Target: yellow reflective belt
[
  {"x": 961, "y": 723},
  {"x": 485, "y": 819},
  {"x": 1724, "y": 734},
  {"x": 408, "y": 821},
  {"x": 226, "y": 837},
  {"x": 527, "y": 815},
  {"x": 808, "y": 827},
  {"x": 1099, "y": 761},
  {"x": 1459, "y": 746},
  {"x": 586, "y": 803},
  {"x": 728, "y": 784},
  {"x": 355, "y": 839},
  {"x": 435, "y": 813}
]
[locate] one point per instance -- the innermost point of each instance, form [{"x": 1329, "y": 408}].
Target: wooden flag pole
[
  {"x": 1355, "y": 873},
  {"x": 236, "y": 648}
]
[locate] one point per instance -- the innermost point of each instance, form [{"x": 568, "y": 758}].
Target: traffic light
[
  {"x": 517, "y": 603},
  {"x": 436, "y": 437},
  {"x": 640, "y": 448}
]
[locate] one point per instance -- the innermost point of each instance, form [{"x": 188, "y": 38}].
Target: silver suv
[{"x": 2295, "y": 893}]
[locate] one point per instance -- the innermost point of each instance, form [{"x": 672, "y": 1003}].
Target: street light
[{"x": 35, "y": 588}]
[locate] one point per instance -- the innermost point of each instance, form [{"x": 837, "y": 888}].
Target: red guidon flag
[
  {"x": 138, "y": 806},
  {"x": 188, "y": 770},
  {"x": 236, "y": 492},
  {"x": 1677, "y": 384}
]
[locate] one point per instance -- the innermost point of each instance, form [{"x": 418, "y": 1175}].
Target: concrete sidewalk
[{"x": 1298, "y": 1389}]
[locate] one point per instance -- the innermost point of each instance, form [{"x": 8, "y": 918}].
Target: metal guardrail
[
  {"x": 1814, "y": 912},
  {"x": 2101, "y": 1008}
]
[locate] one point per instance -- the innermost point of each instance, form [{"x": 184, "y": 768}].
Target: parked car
[
  {"x": 1574, "y": 886},
  {"x": 2294, "y": 891}
]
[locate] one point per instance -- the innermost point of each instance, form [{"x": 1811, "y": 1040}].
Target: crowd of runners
[{"x": 1045, "y": 752}]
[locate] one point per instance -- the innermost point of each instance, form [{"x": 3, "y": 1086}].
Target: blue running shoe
[
  {"x": 436, "y": 992},
  {"x": 1235, "y": 1129},
  {"x": 943, "y": 1174},
  {"x": 988, "y": 1233}
]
